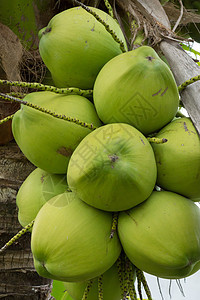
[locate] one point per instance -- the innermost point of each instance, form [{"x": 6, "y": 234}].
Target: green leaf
[{"x": 188, "y": 48}]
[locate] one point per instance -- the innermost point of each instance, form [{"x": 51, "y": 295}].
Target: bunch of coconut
[{"x": 106, "y": 197}]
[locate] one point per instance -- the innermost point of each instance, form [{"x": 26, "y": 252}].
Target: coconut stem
[
  {"x": 109, "y": 8},
  {"x": 17, "y": 236},
  {"x": 16, "y": 94},
  {"x": 114, "y": 224},
  {"x": 139, "y": 281},
  {"x": 188, "y": 82},
  {"x": 43, "y": 87},
  {"x": 6, "y": 119},
  {"x": 100, "y": 287},
  {"x": 156, "y": 140},
  {"x": 107, "y": 27},
  {"x": 87, "y": 289},
  {"x": 130, "y": 278},
  {"x": 132, "y": 291},
  {"x": 142, "y": 281},
  {"x": 126, "y": 277},
  {"x": 145, "y": 285},
  {"x": 44, "y": 110},
  {"x": 120, "y": 274}
]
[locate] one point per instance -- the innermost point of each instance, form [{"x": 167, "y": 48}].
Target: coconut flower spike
[
  {"x": 139, "y": 283},
  {"x": 44, "y": 87},
  {"x": 188, "y": 82},
  {"x": 123, "y": 273},
  {"x": 142, "y": 281},
  {"x": 145, "y": 285},
  {"x": 87, "y": 289},
  {"x": 6, "y": 119},
  {"x": 126, "y": 279},
  {"x": 109, "y": 8},
  {"x": 44, "y": 110},
  {"x": 17, "y": 236},
  {"x": 132, "y": 291},
  {"x": 130, "y": 275},
  {"x": 17, "y": 94},
  {"x": 107, "y": 27},
  {"x": 100, "y": 287},
  {"x": 114, "y": 225},
  {"x": 120, "y": 274}
]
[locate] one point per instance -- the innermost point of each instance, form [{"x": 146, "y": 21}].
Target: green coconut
[
  {"x": 66, "y": 296},
  {"x": 111, "y": 286},
  {"x": 75, "y": 46},
  {"x": 178, "y": 160},
  {"x": 35, "y": 191},
  {"x": 161, "y": 236},
  {"x": 138, "y": 88},
  {"x": 46, "y": 141},
  {"x": 71, "y": 240},
  {"x": 113, "y": 168}
]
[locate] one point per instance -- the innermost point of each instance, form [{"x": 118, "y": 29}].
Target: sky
[{"x": 190, "y": 286}]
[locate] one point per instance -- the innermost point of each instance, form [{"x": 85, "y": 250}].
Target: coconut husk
[
  {"x": 16, "y": 64},
  {"x": 154, "y": 32},
  {"x": 11, "y": 52}
]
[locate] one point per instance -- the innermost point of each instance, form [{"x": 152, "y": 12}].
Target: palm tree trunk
[{"x": 18, "y": 278}]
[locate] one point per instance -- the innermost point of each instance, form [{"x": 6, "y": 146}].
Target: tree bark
[
  {"x": 184, "y": 68},
  {"x": 18, "y": 278}
]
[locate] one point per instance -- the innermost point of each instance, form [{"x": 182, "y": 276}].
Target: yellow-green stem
[
  {"x": 100, "y": 287},
  {"x": 156, "y": 140},
  {"x": 44, "y": 87},
  {"x": 126, "y": 277},
  {"x": 114, "y": 224},
  {"x": 6, "y": 119},
  {"x": 139, "y": 283},
  {"x": 15, "y": 94},
  {"x": 188, "y": 82},
  {"x": 109, "y": 8},
  {"x": 107, "y": 27},
  {"x": 132, "y": 291},
  {"x": 87, "y": 289},
  {"x": 46, "y": 111},
  {"x": 120, "y": 274},
  {"x": 145, "y": 285},
  {"x": 17, "y": 236}
]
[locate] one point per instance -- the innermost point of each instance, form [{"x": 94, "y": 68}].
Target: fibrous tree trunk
[{"x": 18, "y": 278}]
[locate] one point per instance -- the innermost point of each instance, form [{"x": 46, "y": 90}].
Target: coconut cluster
[{"x": 117, "y": 174}]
